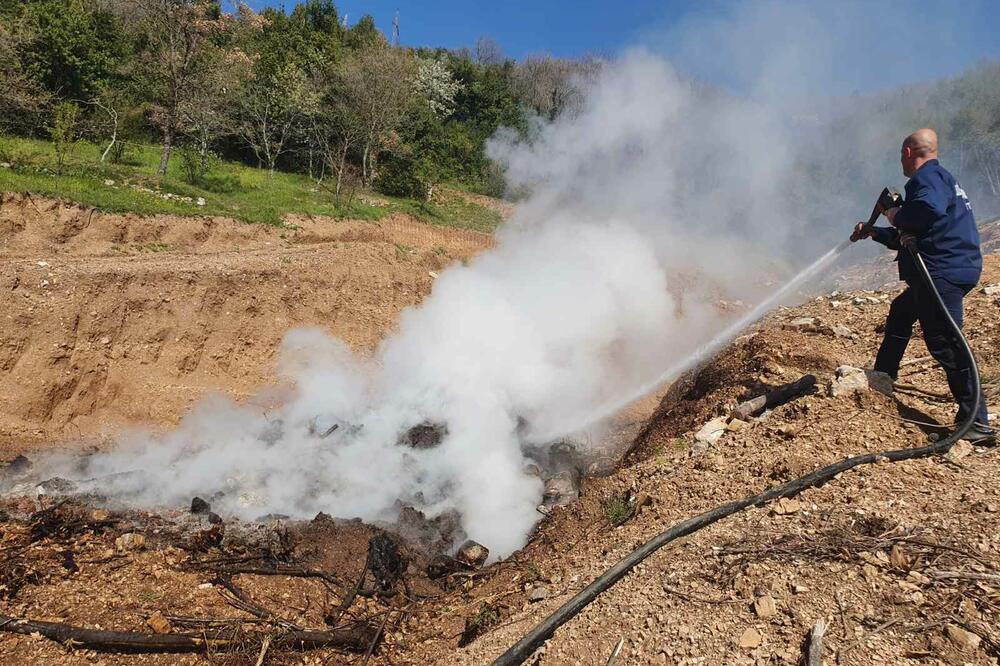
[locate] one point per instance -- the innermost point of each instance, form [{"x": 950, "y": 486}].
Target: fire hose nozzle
[{"x": 886, "y": 200}]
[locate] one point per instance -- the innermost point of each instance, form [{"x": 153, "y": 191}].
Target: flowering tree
[{"x": 436, "y": 84}]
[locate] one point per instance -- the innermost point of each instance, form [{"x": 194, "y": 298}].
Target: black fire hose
[{"x": 543, "y": 631}]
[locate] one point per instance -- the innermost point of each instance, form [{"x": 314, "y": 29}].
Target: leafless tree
[
  {"x": 552, "y": 85},
  {"x": 489, "y": 52}
]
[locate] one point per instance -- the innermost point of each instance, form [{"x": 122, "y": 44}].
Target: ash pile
[{"x": 438, "y": 534}]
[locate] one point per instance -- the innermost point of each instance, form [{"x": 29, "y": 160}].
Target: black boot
[{"x": 981, "y": 434}]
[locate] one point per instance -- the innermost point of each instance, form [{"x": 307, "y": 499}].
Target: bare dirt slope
[{"x": 117, "y": 319}]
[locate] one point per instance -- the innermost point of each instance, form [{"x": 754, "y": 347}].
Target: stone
[
  {"x": 561, "y": 489},
  {"x": 472, "y": 554},
  {"x": 538, "y": 594},
  {"x": 841, "y": 331},
  {"x": 992, "y": 290},
  {"x": 709, "y": 434},
  {"x": 765, "y": 606},
  {"x": 966, "y": 641},
  {"x": 424, "y": 435},
  {"x": 786, "y": 507},
  {"x": 199, "y": 506},
  {"x": 801, "y": 324},
  {"x": 848, "y": 379},
  {"x": 158, "y": 623},
  {"x": 959, "y": 450},
  {"x": 130, "y": 541},
  {"x": 55, "y": 486},
  {"x": 737, "y": 425},
  {"x": 17, "y": 466},
  {"x": 750, "y": 639}
]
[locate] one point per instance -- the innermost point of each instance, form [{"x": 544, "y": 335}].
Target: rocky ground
[{"x": 901, "y": 560}]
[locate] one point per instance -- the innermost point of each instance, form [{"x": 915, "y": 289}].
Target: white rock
[
  {"x": 847, "y": 379},
  {"x": 801, "y": 324},
  {"x": 841, "y": 331},
  {"x": 709, "y": 434},
  {"x": 200, "y": 201},
  {"x": 992, "y": 289},
  {"x": 109, "y": 182}
]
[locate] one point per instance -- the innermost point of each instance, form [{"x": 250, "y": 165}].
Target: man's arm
[
  {"x": 924, "y": 205},
  {"x": 886, "y": 236}
]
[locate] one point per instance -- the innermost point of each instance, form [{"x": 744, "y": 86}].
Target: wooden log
[
  {"x": 778, "y": 396},
  {"x": 355, "y": 638}
]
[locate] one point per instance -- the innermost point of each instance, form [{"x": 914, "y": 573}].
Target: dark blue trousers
[{"x": 917, "y": 303}]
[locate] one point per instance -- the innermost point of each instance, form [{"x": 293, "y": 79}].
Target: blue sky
[{"x": 842, "y": 46}]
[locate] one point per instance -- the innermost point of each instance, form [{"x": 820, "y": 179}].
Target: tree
[
  {"x": 437, "y": 86},
  {"x": 176, "y": 36},
  {"x": 488, "y": 52},
  {"x": 271, "y": 106},
  {"x": 63, "y": 131},
  {"x": 72, "y": 51},
  {"x": 376, "y": 84},
  {"x": 206, "y": 114},
  {"x": 21, "y": 97},
  {"x": 550, "y": 85}
]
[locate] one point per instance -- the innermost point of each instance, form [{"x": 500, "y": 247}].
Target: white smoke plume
[
  {"x": 649, "y": 203},
  {"x": 575, "y": 306}
]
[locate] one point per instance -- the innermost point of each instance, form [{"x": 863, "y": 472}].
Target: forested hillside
[
  {"x": 342, "y": 109},
  {"x": 297, "y": 91}
]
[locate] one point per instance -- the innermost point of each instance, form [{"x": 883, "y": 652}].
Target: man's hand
[
  {"x": 860, "y": 232},
  {"x": 890, "y": 214},
  {"x": 908, "y": 241}
]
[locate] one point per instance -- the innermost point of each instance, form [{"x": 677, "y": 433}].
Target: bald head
[
  {"x": 923, "y": 143},
  {"x": 917, "y": 148}
]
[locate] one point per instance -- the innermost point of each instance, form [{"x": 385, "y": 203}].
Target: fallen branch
[
  {"x": 242, "y": 601},
  {"x": 278, "y": 570},
  {"x": 964, "y": 575},
  {"x": 355, "y": 638},
  {"x": 778, "y": 396}
]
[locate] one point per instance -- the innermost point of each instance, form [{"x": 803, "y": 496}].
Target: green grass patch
[
  {"x": 230, "y": 190},
  {"x": 617, "y": 509}
]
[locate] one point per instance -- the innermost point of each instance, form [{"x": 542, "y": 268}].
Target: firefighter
[{"x": 936, "y": 217}]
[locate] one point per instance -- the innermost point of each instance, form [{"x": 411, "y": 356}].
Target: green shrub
[
  {"x": 124, "y": 152},
  {"x": 195, "y": 164},
  {"x": 63, "y": 131},
  {"x": 401, "y": 176}
]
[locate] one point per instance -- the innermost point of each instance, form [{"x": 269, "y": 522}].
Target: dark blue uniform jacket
[{"x": 939, "y": 214}]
